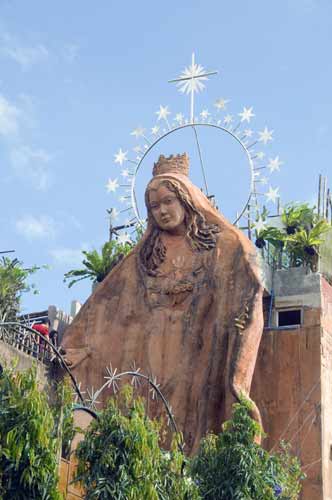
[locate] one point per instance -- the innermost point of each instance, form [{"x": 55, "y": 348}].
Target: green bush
[
  {"x": 28, "y": 446},
  {"x": 231, "y": 466},
  {"x": 121, "y": 457},
  {"x": 13, "y": 282}
]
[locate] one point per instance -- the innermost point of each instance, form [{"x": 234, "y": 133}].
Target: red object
[{"x": 41, "y": 328}]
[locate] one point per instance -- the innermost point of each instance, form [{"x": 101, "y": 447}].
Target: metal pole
[{"x": 319, "y": 194}]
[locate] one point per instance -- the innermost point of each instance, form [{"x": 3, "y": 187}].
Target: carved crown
[{"x": 177, "y": 164}]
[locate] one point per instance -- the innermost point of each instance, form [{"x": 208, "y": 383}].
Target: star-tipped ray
[
  {"x": 120, "y": 157},
  {"x": 266, "y": 135}
]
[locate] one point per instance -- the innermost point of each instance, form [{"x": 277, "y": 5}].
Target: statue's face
[{"x": 166, "y": 209}]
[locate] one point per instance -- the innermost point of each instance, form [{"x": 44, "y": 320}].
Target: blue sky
[{"x": 77, "y": 78}]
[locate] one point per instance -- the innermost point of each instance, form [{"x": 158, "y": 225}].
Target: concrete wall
[
  {"x": 8, "y": 353},
  {"x": 292, "y": 379},
  {"x": 326, "y": 377}
]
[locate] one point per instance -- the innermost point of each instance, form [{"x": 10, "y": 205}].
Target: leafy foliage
[
  {"x": 295, "y": 215},
  {"x": 28, "y": 447},
  {"x": 231, "y": 466},
  {"x": 120, "y": 457},
  {"x": 13, "y": 282},
  {"x": 303, "y": 245},
  {"x": 98, "y": 265},
  {"x": 298, "y": 244}
]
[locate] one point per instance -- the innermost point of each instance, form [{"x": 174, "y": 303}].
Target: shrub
[
  {"x": 121, "y": 457},
  {"x": 231, "y": 466},
  {"x": 28, "y": 446}
]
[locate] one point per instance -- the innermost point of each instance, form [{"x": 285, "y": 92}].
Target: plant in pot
[
  {"x": 272, "y": 235},
  {"x": 303, "y": 246},
  {"x": 296, "y": 216}
]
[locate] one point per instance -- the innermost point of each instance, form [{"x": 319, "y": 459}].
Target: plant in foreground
[
  {"x": 121, "y": 458},
  {"x": 28, "y": 446},
  {"x": 231, "y": 466}
]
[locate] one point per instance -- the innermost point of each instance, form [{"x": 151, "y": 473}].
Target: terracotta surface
[
  {"x": 185, "y": 306},
  {"x": 287, "y": 372}
]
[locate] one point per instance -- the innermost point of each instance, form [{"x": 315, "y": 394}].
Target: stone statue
[{"x": 185, "y": 305}]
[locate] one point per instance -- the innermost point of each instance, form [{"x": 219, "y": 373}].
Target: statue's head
[{"x": 171, "y": 209}]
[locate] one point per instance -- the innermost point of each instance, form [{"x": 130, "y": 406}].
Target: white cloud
[
  {"x": 32, "y": 227},
  {"x": 67, "y": 256},
  {"x": 32, "y": 166},
  {"x": 25, "y": 56},
  {"x": 9, "y": 118}
]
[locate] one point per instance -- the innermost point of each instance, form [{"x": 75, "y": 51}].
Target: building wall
[
  {"x": 326, "y": 377},
  {"x": 292, "y": 380}
]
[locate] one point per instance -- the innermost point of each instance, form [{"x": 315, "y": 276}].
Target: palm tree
[{"x": 98, "y": 265}]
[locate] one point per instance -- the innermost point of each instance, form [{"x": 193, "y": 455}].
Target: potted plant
[
  {"x": 272, "y": 235},
  {"x": 303, "y": 246},
  {"x": 296, "y": 216}
]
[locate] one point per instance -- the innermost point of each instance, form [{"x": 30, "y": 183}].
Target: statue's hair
[{"x": 201, "y": 236}]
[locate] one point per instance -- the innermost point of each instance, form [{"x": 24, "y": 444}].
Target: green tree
[
  {"x": 120, "y": 457},
  {"x": 231, "y": 466},
  {"x": 13, "y": 282},
  {"x": 98, "y": 265},
  {"x": 28, "y": 443}
]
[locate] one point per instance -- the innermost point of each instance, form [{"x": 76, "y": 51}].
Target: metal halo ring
[{"x": 219, "y": 127}]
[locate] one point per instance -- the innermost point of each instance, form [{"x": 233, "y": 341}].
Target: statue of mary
[{"x": 185, "y": 305}]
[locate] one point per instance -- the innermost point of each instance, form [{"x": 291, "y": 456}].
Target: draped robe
[{"x": 180, "y": 325}]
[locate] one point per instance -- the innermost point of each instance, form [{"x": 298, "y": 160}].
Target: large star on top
[
  {"x": 272, "y": 194},
  {"x": 163, "y": 112},
  {"x": 274, "y": 164},
  {"x": 120, "y": 156},
  {"x": 246, "y": 114},
  {"x": 266, "y": 135},
  {"x": 112, "y": 185}
]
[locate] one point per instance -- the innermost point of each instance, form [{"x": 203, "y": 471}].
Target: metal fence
[{"x": 25, "y": 341}]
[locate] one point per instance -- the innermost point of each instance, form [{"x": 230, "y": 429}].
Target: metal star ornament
[
  {"x": 204, "y": 114},
  {"x": 112, "y": 185},
  {"x": 179, "y": 118},
  {"x": 221, "y": 104},
  {"x": 138, "y": 132},
  {"x": 120, "y": 157},
  {"x": 162, "y": 113},
  {"x": 228, "y": 119},
  {"x": 191, "y": 81},
  {"x": 266, "y": 135},
  {"x": 259, "y": 225},
  {"x": 274, "y": 164},
  {"x": 246, "y": 114},
  {"x": 272, "y": 194},
  {"x": 123, "y": 239}
]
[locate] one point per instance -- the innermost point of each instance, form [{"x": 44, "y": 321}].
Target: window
[{"x": 289, "y": 317}]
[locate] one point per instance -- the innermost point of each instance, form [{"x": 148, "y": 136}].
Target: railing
[
  {"x": 24, "y": 340},
  {"x": 33, "y": 343}
]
